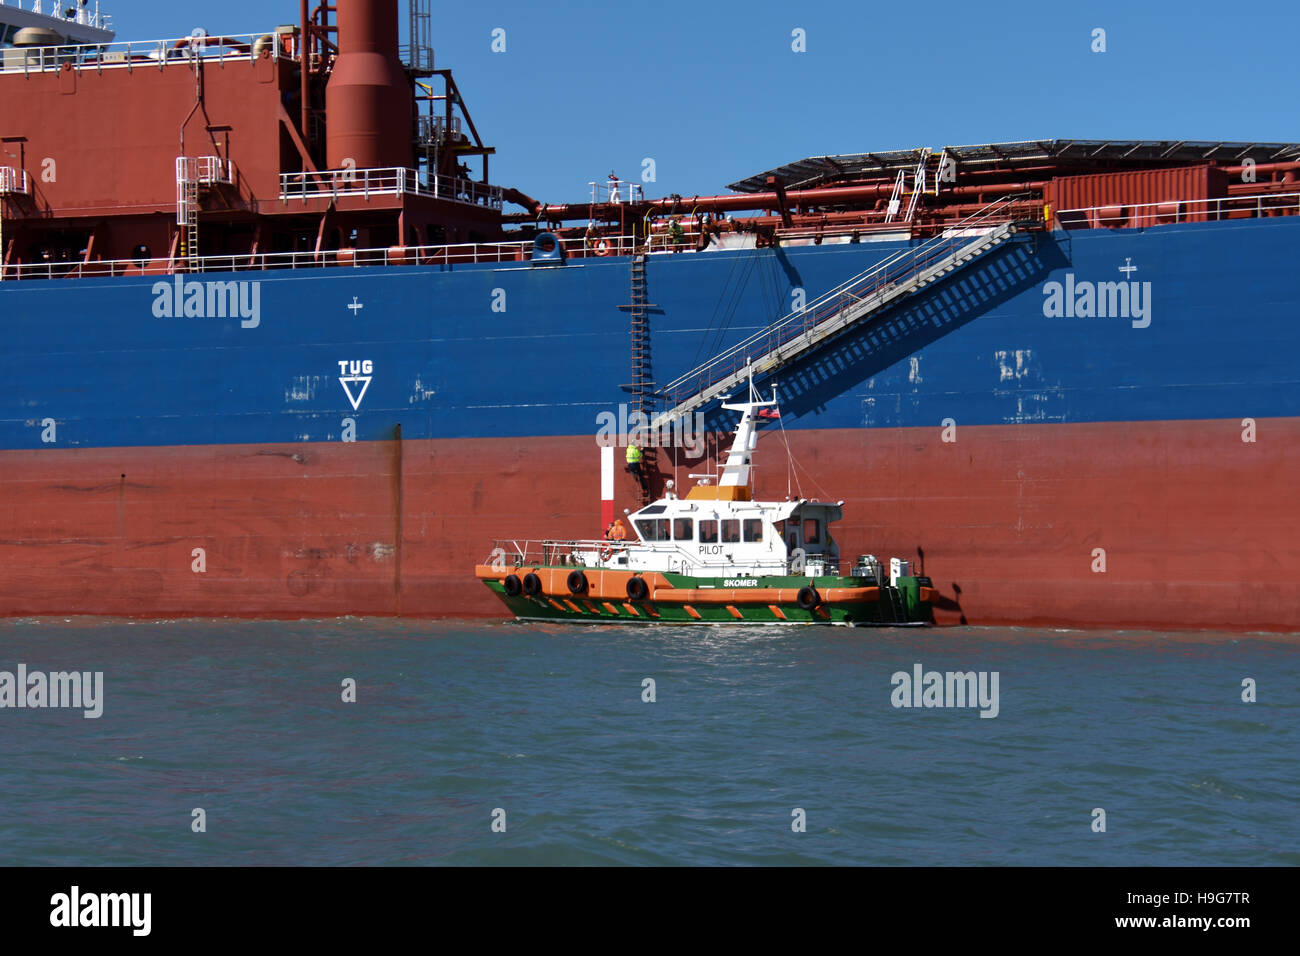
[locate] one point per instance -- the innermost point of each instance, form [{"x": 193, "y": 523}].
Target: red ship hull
[{"x": 1199, "y": 529}]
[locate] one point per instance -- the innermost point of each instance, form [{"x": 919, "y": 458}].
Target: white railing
[
  {"x": 141, "y": 53},
  {"x": 212, "y": 169},
  {"x": 82, "y": 16},
  {"x": 489, "y": 253},
  {"x": 387, "y": 181},
  {"x": 14, "y": 181},
  {"x": 433, "y": 128},
  {"x": 518, "y": 251},
  {"x": 515, "y": 553},
  {"x": 663, "y": 239},
  {"x": 852, "y": 294},
  {"x": 464, "y": 190},
  {"x": 918, "y": 185},
  {"x": 203, "y": 170},
  {"x": 616, "y": 191},
  {"x": 896, "y": 197},
  {"x": 1118, "y": 216}
]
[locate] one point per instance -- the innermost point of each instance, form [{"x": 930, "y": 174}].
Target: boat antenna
[{"x": 789, "y": 455}]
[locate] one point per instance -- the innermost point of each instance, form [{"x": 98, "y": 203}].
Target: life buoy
[
  {"x": 808, "y": 598},
  {"x": 605, "y": 554},
  {"x": 512, "y": 585},
  {"x": 637, "y": 589},
  {"x": 601, "y": 247},
  {"x": 532, "y": 584},
  {"x": 577, "y": 582}
]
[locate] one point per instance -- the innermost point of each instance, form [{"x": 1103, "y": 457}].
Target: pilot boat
[{"x": 714, "y": 556}]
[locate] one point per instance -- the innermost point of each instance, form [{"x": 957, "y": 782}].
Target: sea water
[{"x": 413, "y": 742}]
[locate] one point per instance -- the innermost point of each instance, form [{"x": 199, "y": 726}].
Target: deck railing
[
  {"x": 387, "y": 181},
  {"x": 1150, "y": 214},
  {"x": 14, "y": 181},
  {"x": 136, "y": 54},
  {"x": 1146, "y": 215},
  {"x": 491, "y": 253},
  {"x": 517, "y": 553}
]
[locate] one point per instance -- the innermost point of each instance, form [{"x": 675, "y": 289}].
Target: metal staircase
[{"x": 844, "y": 307}]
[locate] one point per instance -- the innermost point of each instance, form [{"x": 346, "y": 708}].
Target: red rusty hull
[{"x": 1200, "y": 529}]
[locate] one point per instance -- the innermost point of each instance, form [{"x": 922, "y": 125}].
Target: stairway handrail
[{"x": 917, "y": 257}]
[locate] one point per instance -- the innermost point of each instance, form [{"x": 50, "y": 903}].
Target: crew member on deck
[{"x": 616, "y": 531}]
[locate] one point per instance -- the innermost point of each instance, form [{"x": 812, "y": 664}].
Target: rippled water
[{"x": 453, "y": 721}]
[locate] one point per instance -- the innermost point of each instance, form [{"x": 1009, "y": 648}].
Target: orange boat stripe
[{"x": 762, "y": 595}]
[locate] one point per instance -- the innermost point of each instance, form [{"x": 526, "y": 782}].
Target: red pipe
[
  {"x": 1263, "y": 168},
  {"x": 749, "y": 201},
  {"x": 304, "y": 63}
]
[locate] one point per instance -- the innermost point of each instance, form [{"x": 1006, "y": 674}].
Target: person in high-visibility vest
[
  {"x": 634, "y": 460},
  {"x": 675, "y": 233},
  {"x": 617, "y": 532}
]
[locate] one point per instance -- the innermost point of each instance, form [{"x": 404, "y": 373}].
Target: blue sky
[{"x": 713, "y": 91}]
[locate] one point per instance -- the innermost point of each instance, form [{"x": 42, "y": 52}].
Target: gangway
[{"x": 846, "y": 306}]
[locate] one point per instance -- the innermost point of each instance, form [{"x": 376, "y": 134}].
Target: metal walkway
[{"x": 842, "y": 308}]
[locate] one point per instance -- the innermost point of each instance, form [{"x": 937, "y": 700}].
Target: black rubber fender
[
  {"x": 637, "y": 589},
  {"x": 808, "y": 597}
]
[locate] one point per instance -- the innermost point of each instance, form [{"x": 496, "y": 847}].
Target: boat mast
[{"x": 737, "y": 469}]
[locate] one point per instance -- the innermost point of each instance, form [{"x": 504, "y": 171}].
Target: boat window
[
  {"x": 812, "y": 531},
  {"x": 708, "y": 532},
  {"x": 684, "y": 529},
  {"x": 730, "y": 530},
  {"x": 653, "y": 529},
  {"x": 753, "y": 529}
]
